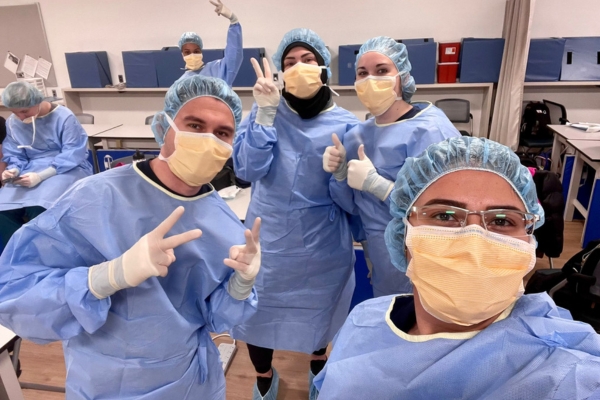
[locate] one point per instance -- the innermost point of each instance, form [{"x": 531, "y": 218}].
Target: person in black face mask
[
  {"x": 306, "y": 280},
  {"x": 305, "y": 80}
]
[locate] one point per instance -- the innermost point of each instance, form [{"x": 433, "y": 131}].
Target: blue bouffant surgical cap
[
  {"x": 451, "y": 155},
  {"x": 306, "y": 36},
  {"x": 21, "y": 95},
  {"x": 188, "y": 89},
  {"x": 398, "y": 54},
  {"x": 190, "y": 37}
]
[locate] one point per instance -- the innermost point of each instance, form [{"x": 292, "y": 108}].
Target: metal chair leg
[{"x": 551, "y": 262}]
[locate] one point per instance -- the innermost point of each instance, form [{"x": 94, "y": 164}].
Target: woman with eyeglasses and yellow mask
[
  {"x": 306, "y": 281},
  {"x": 226, "y": 68},
  {"x": 463, "y": 216},
  {"x": 366, "y": 160}
]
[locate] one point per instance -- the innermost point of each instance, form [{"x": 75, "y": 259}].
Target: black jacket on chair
[{"x": 550, "y": 235}]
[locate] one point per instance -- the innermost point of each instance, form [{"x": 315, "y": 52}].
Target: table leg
[
  {"x": 92, "y": 149},
  {"x": 591, "y": 230},
  {"x": 556, "y": 147},
  {"x": 486, "y": 109},
  {"x": 9, "y": 378},
  {"x": 573, "y": 187},
  {"x": 566, "y": 174}
]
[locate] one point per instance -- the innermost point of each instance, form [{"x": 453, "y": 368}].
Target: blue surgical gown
[
  {"x": 146, "y": 342},
  {"x": 387, "y": 146},
  {"x": 534, "y": 351},
  {"x": 60, "y": 142},
  {"x": 306, "y": 281},
  {"x": 226, "y": 68}
]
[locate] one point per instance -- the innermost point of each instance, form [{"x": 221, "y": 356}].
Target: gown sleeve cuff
[
  {"x": 240, "y": 288},
  {"x": 47, "y": 173},
  {"x": 89, "y": 311}
]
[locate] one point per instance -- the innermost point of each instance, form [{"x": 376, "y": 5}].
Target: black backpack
[
  {"x": 536, "y": 119},
  {"x": 576, "y": 287},
  {"x": 226, "y": 177}
]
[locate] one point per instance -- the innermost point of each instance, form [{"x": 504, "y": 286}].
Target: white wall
[
  {"x": 564, "y": 18},
  {"x": 117, "y": 25}
]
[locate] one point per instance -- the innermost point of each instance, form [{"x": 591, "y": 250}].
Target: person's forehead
[
  {"x": 374, "y": 57},
  {"x": 298, "y": 51},
  {"x": 190, "y": 46},
  {"x": 21, "y": 110},
  {"x": 473, "y": 187},
  {"x": 207, "y": 106}
]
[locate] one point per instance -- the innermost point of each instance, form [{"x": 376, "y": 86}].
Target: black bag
[
  {"x": 226, "y": 177},
  {"x": 536, "y": 119},
  {"x": 580, "y": 293},
  {"x": 581, "y": 263}
]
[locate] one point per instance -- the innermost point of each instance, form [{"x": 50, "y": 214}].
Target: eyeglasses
[{"x": 502, "y": 221}]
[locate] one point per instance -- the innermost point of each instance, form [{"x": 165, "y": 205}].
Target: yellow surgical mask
[
  {"x": 377, "y": 93},
  {"x": 467, "y": 275},
  {"x": 193, "y": 62},
  {"x": 303, "y": 80},
  {"x": 198, "y": 157}
]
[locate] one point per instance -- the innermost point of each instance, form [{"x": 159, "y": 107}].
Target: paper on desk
[
  {"x": 29, "y": 66},
  {"x": 586, "y": 126},
  {"x": 12, "y": 62},
  {"x": 229, "y": 193},
  {"x": 43, "y": 68}
]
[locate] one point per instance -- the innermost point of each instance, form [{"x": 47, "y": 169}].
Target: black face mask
[{"x": 309, "y": 108}]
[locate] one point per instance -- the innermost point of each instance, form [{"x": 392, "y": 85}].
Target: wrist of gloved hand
[
  {"x": 377, "y": 185},
  {"x": 266, "y": 115},
  {"x": 47, "y": 173},
  {"x": 233, "y": 19},
  {"x": 341, "y": 174},
  {"x": 239, "y": 287},
  {"x": 107, "y": 278}
]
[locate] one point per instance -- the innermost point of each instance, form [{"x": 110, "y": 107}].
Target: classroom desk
[
  {"x": 127, "y": 137},
  {"x": 240, "y": 203},
  {"x": 562, "y": 134},
  {"x": 92, "y": 130},
  {"x": 588, "y": 152},
  {"x": 10, "y": 382}
]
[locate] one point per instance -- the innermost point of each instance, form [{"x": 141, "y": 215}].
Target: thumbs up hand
[
  {"x": 334, "y": 159},
  {"x": 363, "y": 176}
]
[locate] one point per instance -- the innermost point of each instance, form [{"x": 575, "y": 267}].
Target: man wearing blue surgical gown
[
  {"x": 132, "y": 289},
  {"x": 45, "y": 151},
  {"x": 463, "y": 216},
  {"x": 378, "y": 147},
  {"x": 306, "y": 282},
  {"x": 191, "y": 46}
]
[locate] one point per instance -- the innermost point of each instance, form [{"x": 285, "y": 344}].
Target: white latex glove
[
  {"x": 265, "y": 94},
  {"x": 10, "y": 174},
  {"x": 334, "y": 159},
  {"x": 245, "y": 260},
  {"x": 30, "y": 179},
  {"x": 222, "y": 9},
  {"x": 362, "y": 175},
  {"x": 150, "y": 256}
]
